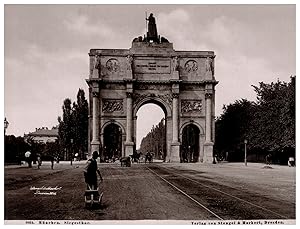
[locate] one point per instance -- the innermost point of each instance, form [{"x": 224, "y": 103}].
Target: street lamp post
[
  {"x": 245, "y": 141},
  {"x": 6, "y": 123},
  {"x": 71, "y": 151},
  {"x": 189, "y": 155}
]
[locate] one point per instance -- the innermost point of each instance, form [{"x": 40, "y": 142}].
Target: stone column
[
  {"x": 129, "y": 117},
  {"x": 208, "y": 115},
  {"x": 129, "y": 144},
  {"x": 175, "y": 117},
  {"x": 175, "y": 145},
  {"x": 208, "y": 145},
  {"x": 95, "y": 144}
]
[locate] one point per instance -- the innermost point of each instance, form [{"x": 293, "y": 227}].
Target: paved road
[{"x": 140, "y": 192}]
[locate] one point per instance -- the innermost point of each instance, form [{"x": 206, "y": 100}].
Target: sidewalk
[
  {"x": 252, "y": 165},
  {"x": 24, "y": 165},
  {"x": 277, "y": 179}
]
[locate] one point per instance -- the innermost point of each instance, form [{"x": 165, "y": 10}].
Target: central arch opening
[{"x": 151, "y": 131}]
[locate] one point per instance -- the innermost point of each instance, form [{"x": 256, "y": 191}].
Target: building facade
[{"x": 42, "y": 135}]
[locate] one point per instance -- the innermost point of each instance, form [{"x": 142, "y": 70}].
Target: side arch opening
[
  {"x": 112, "y": 139},
  {"x": 190, "y": 147}
]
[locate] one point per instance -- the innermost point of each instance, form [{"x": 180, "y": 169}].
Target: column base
[
  {"x": 95, "y": 146},
  {"x": 208, "y": 148},
  {"x": 128, "y": 148},
  {"x": 175, "y": 152}
]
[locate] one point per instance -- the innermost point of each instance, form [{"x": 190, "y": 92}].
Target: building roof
[{"x": 44, "y": 131}]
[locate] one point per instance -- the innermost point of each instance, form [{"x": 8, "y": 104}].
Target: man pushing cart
[{"x": 92, "y": 195}]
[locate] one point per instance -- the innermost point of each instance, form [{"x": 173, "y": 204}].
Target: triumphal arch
[{"x": 182, "y": 83}]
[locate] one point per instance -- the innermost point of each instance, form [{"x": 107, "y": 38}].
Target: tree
[
  {"x": 155, "y": 140},
  {"x": 81, "y": 120},
  {"x": 268, "y": 124},
  {"x": 73, "y": 127},
  {"x": 35, "y": 148},
  {"x": 275, "y": 119},
  {"x": 65, "y": 129},
  {"x": 14, "y": 149},
  {"x": 232, "y": 127},
  {"x": 51, "y": 149}
]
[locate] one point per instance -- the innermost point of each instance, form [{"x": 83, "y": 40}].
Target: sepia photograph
[{"x": 149, "y": 114}]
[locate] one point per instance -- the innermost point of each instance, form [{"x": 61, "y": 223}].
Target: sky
[{"x": 46, "y": 51}]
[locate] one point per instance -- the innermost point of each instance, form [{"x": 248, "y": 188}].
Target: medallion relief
[
  {"x": 191, "y": 66},
  {"x": 112, "y": 65}
]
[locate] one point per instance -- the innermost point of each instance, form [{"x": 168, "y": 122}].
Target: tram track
[
  {"x": 213, "y": 199},
  {"x": 232, "y": 196},
  {"x": 187, "y": 195}
]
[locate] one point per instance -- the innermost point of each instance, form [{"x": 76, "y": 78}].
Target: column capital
[
  {"x": 129, "y": 94},
  {"x": 95, "y": 94},
  {"x": 129, "y": 81},
  {"x": 175, "y": 81},
  {"x": 208, "y": 95},
  {"x": 175, "y": 95}
]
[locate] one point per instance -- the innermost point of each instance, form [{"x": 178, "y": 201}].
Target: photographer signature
[{"x": 49, "y": 191}]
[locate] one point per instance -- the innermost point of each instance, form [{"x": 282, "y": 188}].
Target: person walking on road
[{"x": 91, "y": 170}]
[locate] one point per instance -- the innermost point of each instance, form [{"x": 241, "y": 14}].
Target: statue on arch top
[{"x": 152, "y": 30}]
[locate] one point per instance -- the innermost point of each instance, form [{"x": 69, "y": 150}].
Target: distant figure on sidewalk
[
  {"x": 39, "y": 160},
  {"x": 291, "y": 162},
  {"x": 52, "y": 161},
  {"x": 91, "y": 170},
  {"x": 269, "y": 159},
  {"x": 28, "y": 158}
]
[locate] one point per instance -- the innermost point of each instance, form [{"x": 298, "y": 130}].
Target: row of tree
[
  {"x": 72, "y": 139},
  {"x": 15, "y": 148},
  {"x": 155, "y": 141},
  {"x": 267, "y": 124},
  {"x": 73, "y": 127}
]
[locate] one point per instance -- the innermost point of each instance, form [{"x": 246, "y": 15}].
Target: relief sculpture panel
[
  {"x": 111, "y": 105},
  {"x": 191, "y": 106},
  {"x": 139, "y": 97}
]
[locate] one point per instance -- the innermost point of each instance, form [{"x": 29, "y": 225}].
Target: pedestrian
[
  {"x": 291, "y": 162},
  {"x": 52, "y": 161},
  {"x": 28, "y": 158},
  {"x": 269, "y": 159},
  {"x": 91, "y": 170},
  {"x": 39, "y": 160}
]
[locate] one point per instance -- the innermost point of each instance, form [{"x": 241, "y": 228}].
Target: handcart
[{"x": 92, "y": 196}]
